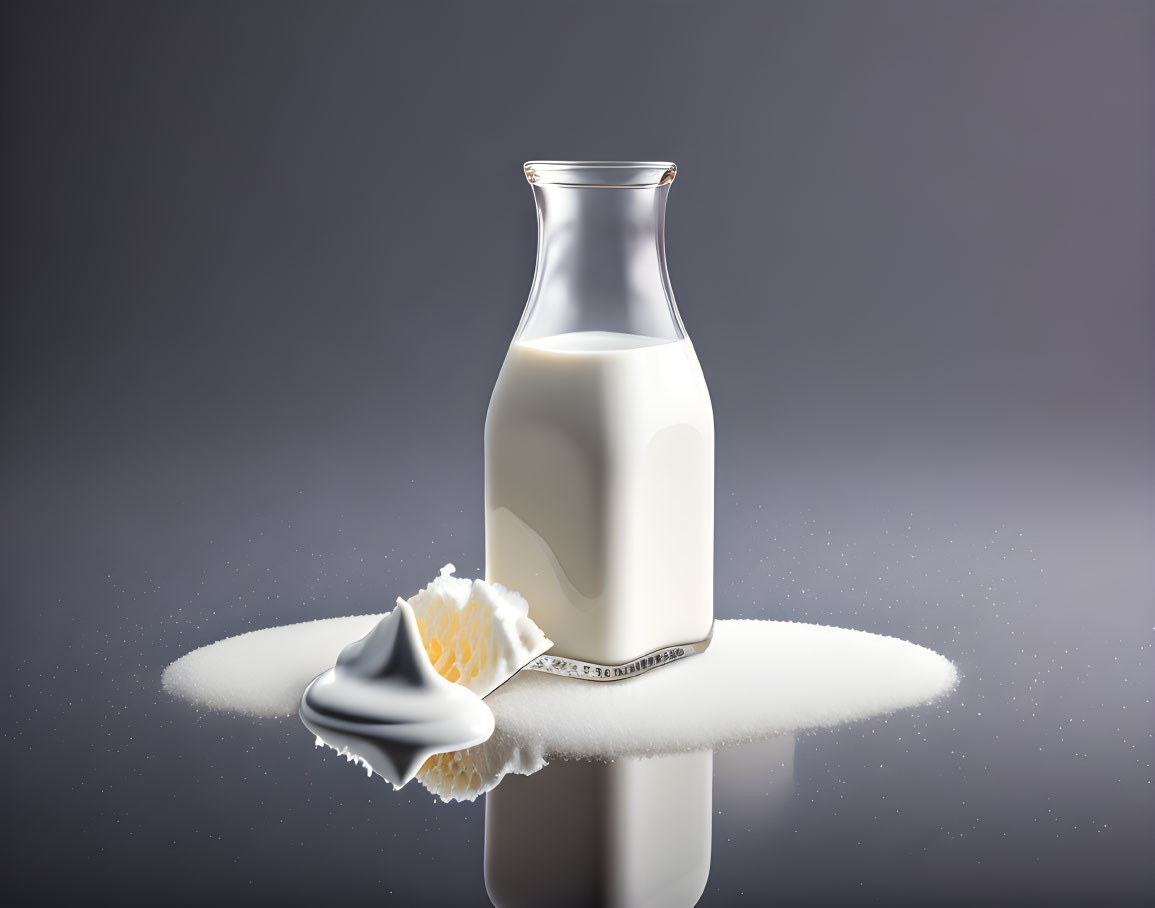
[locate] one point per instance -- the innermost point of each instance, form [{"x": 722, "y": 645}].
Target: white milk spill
[
  {"x": 599, "y": 453},
  {"x": 385, "y": 705},
  {"x": 263, "y": 673},
  {"x": 758, "y": 678}
]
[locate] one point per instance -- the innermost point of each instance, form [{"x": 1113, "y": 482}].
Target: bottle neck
[{"x": 601, "y": 263}]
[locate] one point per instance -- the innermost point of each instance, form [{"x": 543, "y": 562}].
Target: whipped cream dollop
[
  {"x": 478, "y": 634},
  {"x": 385, "y": 705}
]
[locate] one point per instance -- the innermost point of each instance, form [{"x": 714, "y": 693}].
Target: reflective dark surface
[
  {"x": 262, "y": 263},
  {"x": 1031, "y": 781}
]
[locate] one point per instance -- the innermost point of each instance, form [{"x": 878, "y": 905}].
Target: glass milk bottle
[{"x": 599, "y": 441}]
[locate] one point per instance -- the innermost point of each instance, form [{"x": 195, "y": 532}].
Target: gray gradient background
[{"x": 261, "y": 264}]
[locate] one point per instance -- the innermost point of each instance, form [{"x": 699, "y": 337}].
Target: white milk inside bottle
[{"x": 599, "y": 442}]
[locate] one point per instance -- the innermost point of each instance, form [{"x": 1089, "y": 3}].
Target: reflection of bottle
[
  {"x": 599, "y": 442},
  {"x": 634, "y": 832}
]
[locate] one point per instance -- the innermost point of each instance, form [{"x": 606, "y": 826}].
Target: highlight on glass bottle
[
  {"x": 599, "y": 444},
  {"x": 601, "y": 257}
]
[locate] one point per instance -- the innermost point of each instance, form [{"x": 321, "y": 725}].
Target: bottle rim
[{"x": 601, "y": 174}]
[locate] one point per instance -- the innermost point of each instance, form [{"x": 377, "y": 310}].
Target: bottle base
[{"x": 593, "y": 671}]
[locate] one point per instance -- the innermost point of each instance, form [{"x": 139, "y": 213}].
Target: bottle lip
[{"x": 601, "y": 174}]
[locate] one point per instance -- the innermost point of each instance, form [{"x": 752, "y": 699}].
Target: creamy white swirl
[{"x": 386, "y": 706}]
